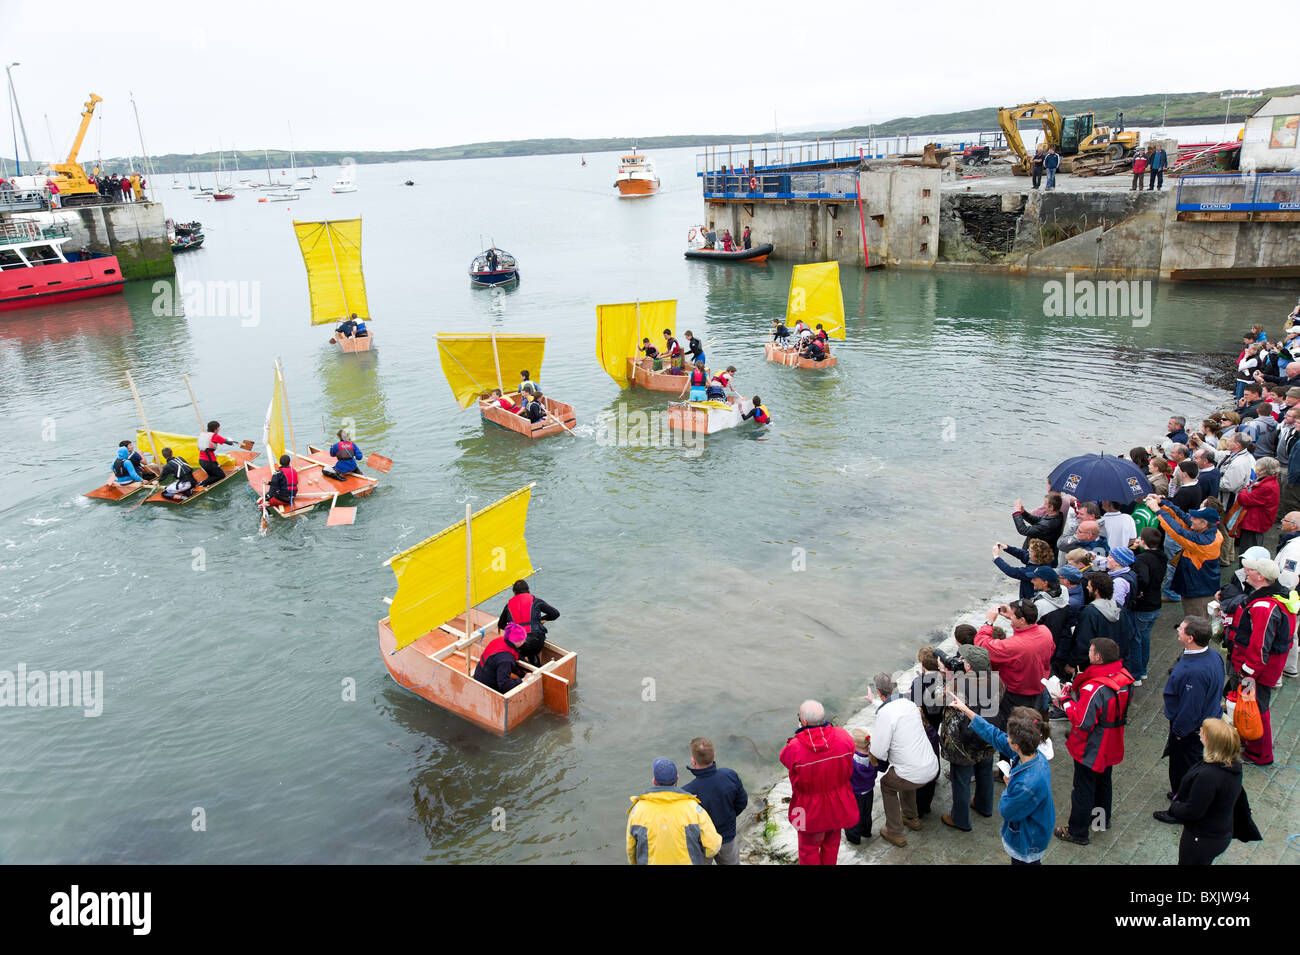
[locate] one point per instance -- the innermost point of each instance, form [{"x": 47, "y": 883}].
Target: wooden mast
[
  {"x": 194, "y": 403},
  {"x": 497, "y": 360},
  {"x": 153, "y": 444},
  {"x": 469, "y": 588}
]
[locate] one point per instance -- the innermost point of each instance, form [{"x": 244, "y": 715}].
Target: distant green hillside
[{"x": 1177, "y": 109}]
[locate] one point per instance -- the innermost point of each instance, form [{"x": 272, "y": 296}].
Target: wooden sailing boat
[
  {"x": 331, "y": 250},
  {"x": 313, "y": 486},
  {"x": 471, "y": 363},
  {"x": 183, "y": 446},
  {"x": 815, "y": 298},
  {"x": 619, "y": 330},
  {"x": 433, "y": 637}
]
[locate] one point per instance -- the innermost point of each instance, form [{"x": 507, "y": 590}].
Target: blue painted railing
[
  {"x": 781, "y": 185},
  {"x": 1263, "y": 192}
]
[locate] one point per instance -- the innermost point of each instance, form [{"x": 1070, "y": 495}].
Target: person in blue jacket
[
  {"x": 1050, "y": 162},
  {"x": 346, "y": 455},
  {"x": 722, "y": 795},
  {"x": 1193, "y": 694},
  {"x": 1159, "y": 160},
  {"x": 1028, "y": 813},
  {"x": 123, "y": 470}
]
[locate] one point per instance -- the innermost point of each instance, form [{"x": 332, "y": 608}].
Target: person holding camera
[{"x": 1023, "y": 660}]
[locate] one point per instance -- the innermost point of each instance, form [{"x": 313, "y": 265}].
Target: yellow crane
[
  {"x": 1076, "y": 136},
  {"x": 70, "y": 176}
]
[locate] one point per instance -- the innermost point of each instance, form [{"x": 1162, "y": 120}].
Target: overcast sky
[{"x": 359, "y": 76}]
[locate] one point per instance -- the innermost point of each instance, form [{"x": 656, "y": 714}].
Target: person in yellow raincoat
[{"x": 667, "y": 825}]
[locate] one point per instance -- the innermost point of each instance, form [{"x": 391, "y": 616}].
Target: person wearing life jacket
[
  {"x": 124, "y": 471},
  {"x": 697, "y": 382},
  {"x": 814, "y": 350},
  {"x": 347, "y": 327},
  {"x": 498, "y": 664},
  {"x": 528, "y": 386},
  {"x": 1259, "y": 641},
  {"x": 673, "y": 352},
  {"x": 822, "y": 337},
  {"x": 178, "y": 475},
  {"x": 780, "y": 333},
  {"x": 283, "y": 486},
  {"x": 345, "y": 454},
  {"x": 531, "y": 408},
  {"x": 532, "y": 614},
  {"x": 1096, "y": 704},
  {"x": 209, "y": 441},
  {"x": 142, "y": 467},
  {"x": 647, "y": 349},
  {"x": 695, "y": 348},
  {"x": 500, "y": 400},
  {"x": 758, "y": 412},
  {"x": 719, "y": 383},
  {"x": 359, "y": 329}
]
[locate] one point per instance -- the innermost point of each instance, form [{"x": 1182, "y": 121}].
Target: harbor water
[{"x": 246, "y": 715}]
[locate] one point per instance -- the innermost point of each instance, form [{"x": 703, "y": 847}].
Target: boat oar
[
  {"x": 148, "y": 490},
  {"x": 265, "y": 524},
  {"x": 340, "y": 515},
  {"x": 246, "y": 445},
  {"x": 379, "y": 462}
]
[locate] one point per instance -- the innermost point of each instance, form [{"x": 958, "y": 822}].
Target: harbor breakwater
[{"x": 135, "y": 232}]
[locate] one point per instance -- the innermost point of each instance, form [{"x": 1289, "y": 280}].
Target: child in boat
[
  {"x": 695, "y": 348},
  {"x": 822, "y": 337},
  {"x": 208, "y": 442},
  {"x": 527, "y": 385},
  {"x": 813, "y": 350},
  {"x": 648, "y": 349},
  {"x": 347, "y": 327},
  {"x": 758, "y": 412},
  {"x": 283, "y": 487},
  {"x": 134, "y": 456},
  {"x": 780, "y": 333},
  {"x": 697, "y": 382},
  {"x": 499, "y": 399},
  {"x": 498, "y": 665},
  {"x": 123, "y": 468},
  {"x": 674, "y": 352},
  {"x": 178, "y": 475},
  {"x": 346, "y": 454},
  {"x": 719, "y": 383},
  {"x": 359, "y": 329},
  {"x": 532, "y": 409}
]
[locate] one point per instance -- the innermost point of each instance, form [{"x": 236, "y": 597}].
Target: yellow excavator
[
  {"x": 1073, "y": 136},
  {"x": 74, "y": 187}
]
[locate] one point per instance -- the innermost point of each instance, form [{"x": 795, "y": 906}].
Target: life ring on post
[
  {"x": 690, "y": 236},
  {"x": 753, "y": 184}
]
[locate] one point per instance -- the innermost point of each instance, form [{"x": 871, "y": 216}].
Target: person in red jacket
[
  {"x": 819, "y": 758},
  {"x": 1259, "y": 501},
  {"x": 1022, "y": 661},
  {"x": 1259, "y": 639},
  {"x": 1096, "y": 704}
]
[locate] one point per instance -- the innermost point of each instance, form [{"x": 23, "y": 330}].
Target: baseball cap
[
  {"x": 1071, "y": 573},
  {"x": 1043, "y": 572},
  {"x": 665, "y": 771},
  {"x": 1255, "y": 553},
  {"x": 1208, "y": 514}
]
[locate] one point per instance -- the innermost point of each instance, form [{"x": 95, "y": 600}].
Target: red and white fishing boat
[
  {"x": 636, "y": 176},
  {"x": 34, "y": 270}
]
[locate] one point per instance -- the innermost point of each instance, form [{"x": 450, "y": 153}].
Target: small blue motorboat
[{"x": 493, "y": 266}]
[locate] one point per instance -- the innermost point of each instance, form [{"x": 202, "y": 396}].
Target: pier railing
[
  {"x": 11, "y": 233},
  {"x": 781, "y": 185},
  {"x": 755, "y": 157},
  {"x": 1262, "y": 192}
]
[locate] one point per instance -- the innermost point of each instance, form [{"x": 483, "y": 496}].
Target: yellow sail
[
  {"x": 620, "y": 328},
  {"x": 431, "y": 575},
  {"x": 184, "y": 446},
  {"x": 815, "y": 297},
  {"x": 470, "y": 364},
  {"x": 331, "y": 250},
  {"x": 273, "y": 432}
]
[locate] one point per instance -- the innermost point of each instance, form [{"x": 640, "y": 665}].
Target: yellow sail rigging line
[
  {"x": 620, "y": 328},
  {"x": 470, "y": 363},
  {"x": 431, "y": 575},
  {"x": 815, "y": 297},
  {"x": 331, "y": 250}
]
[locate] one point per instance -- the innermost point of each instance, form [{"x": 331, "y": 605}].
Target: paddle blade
[
  {"x": 341, "y": 515},
  {"x": 246, "y": 445},
  {"x": 200, "y": 475},
  {"x": 379, "y": 462}
]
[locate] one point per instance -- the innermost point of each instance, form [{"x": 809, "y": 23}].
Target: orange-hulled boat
[
  {"x": 472, "y": 363},
  {"x": 432, "y": 638},
  {"x": 815, "y": 299},
  {"x": 636, "y": 176},
  {"x": 620, "y": 329}
]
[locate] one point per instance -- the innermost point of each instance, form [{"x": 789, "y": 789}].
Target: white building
[{"x": 1270, "y": 142}]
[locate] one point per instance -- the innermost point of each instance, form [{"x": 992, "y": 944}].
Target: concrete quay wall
[
  {"x": 901, "y": 207},
  {"x": 136, "y": 232}
]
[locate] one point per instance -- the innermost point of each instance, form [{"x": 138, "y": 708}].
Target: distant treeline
[{"x": 1173, "y": 109}]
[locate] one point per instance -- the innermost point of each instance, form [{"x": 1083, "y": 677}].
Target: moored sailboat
[
  {"x": 471, "y": 363},
  {"x": 815, "y": 299},
  {"x": 331, "y": 251},
  {"x": 620, "y": 329},
  {"x": 433, "y": 636}
]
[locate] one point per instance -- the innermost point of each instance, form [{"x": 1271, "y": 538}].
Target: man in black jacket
[
  {"x": 532, "y": 613},
  {"x": 1046, "y": 527}
]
